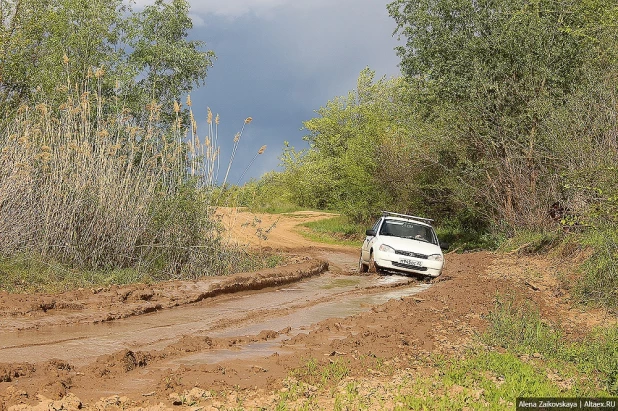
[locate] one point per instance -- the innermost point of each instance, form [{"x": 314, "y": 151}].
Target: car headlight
[
  {"x": 386, "y": 248},
  {"x": 435, "y": 257}
]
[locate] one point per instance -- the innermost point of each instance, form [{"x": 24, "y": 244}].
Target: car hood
[{"x": 407, "y": 244}]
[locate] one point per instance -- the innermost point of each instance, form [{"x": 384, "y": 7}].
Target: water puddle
[
  {"x": 298, "y": 306},
  {"x": 300, "y": 322}
]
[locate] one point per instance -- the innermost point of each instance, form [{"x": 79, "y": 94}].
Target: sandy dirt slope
[
  {"x": 443, "y": 318},
  {"x": 271, "y": 231}
]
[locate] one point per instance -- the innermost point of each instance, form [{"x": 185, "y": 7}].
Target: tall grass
[{"x": 87, "y": 185}]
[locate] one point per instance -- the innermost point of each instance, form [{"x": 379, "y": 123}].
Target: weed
[
  {"x": 532, "y": 242},
  {"x": 314, "y": 373},
  {"x": 335, "y": 371},
  {"x": 520, "y": 327}
]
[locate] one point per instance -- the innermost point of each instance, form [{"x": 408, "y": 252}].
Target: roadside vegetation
[
  {"x": 503, "y": 125},
  {"x": 103, "y": 177}
]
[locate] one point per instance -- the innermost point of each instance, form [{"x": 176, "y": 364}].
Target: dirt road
[{"x": 207, "y": 343}]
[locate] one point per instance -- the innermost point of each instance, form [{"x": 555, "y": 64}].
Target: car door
[{"x": 369, "y": 240}]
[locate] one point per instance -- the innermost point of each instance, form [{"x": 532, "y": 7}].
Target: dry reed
[{"x": 86, "y": 185}]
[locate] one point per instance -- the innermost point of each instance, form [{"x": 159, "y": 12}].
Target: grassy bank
[
  {"x": 520, "y": 354},
  {"x": 593, "y": 274},
  {"x": 27, "y": 274},
  {"x": 336, "y": 230}
]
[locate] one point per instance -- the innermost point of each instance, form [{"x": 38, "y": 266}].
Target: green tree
[
  {"x": 339, "y": 170},
  {"x": 53, "y": 48},
  {"x": 48, "y": 44},
  {"x": 500, "y": 68},
  {"x": 167, "y": 64}
]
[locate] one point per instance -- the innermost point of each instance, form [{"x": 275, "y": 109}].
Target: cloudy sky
[{"x": 280, "y": 60}]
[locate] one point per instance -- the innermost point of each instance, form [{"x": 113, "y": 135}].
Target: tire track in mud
[
  {"x": 79, "y": 344},
  {"x": 22, "y": 312}
]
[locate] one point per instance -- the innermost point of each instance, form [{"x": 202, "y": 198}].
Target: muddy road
[
  {"x": 207, "y": 343},
  {"x": 294, "y": 307}
]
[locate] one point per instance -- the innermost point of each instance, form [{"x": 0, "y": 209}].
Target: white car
[{"x": 404, "y": 244}]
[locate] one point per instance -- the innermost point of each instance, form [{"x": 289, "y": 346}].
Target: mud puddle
[
  {"x": 294, "y": 307},
  {"x": 298, "y": 322}
]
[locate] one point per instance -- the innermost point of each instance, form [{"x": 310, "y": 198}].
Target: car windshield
[{"x": 408, "y": 229}]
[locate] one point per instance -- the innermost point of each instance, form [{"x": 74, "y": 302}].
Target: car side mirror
[
  {"x": 444, "y": 246},
  {"x": 370, "y": 233}
]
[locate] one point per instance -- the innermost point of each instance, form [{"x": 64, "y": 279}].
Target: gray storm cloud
[{"x": 280, "y": 60}]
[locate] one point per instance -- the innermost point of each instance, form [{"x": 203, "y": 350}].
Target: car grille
[
  {"x": 411, "y": 254},
  {"x": 409, "y": 267}
]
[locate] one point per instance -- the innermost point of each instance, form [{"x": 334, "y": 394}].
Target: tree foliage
[
  {"x": 39, "y": 37},
  {"x": 339, "y": 169},
  {"x": 49, "y": 46},
  {"x": 504, "y": 68},
  {"x": 505, "y": 108},
  {"x": 166, "y": 63}
]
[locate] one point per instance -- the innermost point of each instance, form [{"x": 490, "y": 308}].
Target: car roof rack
[{"x": 409, "y": 217}]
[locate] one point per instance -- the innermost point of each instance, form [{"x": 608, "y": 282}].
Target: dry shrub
[{"x": 84, "y": 184}]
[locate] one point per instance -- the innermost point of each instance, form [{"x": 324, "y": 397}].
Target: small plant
[
  {"x": 334, "y": 371},
  {"x": 319, "y": 374}
]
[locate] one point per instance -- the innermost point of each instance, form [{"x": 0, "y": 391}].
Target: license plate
[{"x": 410, "y": 262}]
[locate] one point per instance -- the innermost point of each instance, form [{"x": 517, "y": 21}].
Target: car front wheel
[
  {"x": 362, "y": 268},
  {"x": 373, "y": 268}
]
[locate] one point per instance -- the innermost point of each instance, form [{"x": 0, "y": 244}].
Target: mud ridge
[
  {"x": 118, "y": 302},
  {"x": 252, "y": 281}
]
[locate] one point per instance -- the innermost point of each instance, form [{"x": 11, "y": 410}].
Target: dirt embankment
[
  {"x": 21, "y": 312},
  {"x": 445, "y": 318}
]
